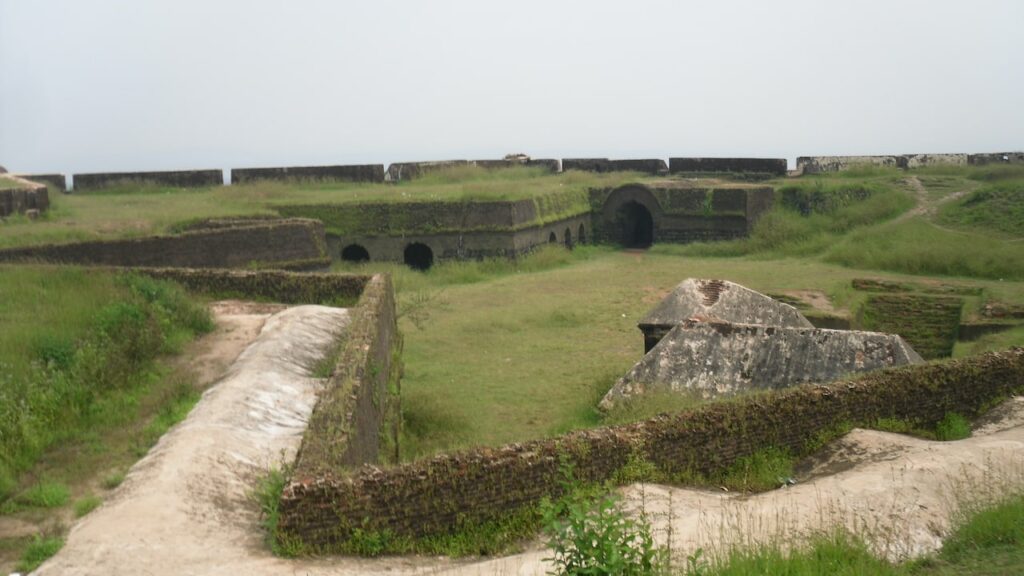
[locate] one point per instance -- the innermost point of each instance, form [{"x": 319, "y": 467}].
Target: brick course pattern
[{"x": 443, "y": 493}]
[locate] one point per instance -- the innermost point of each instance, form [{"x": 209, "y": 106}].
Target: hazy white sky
[{"x": 95, "y": 85}]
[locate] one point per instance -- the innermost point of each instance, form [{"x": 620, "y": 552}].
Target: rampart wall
[
  {"x": 177, "y": 178},
  {"x": 769, "y": 166},
  {"x": 821, "y": 164},
  {"x": 322, "y": 506},
  {"x": 27, "y": 196},
  {"x": 352, "y": 173},
  {"x": 291, "y": 243}
]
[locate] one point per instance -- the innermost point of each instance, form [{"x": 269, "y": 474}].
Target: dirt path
[{"x": 184, "y": 509}]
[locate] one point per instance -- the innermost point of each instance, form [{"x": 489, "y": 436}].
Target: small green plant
[
  {"x": 86, "y": 505},
  {"x": 953, "y": 427},
  {"x": 39, "y": 551},
  {"x": 45, "y": 495},
  {"x": 589, "y": 533},
  {"x": 596, "y": 537},
  {"x": 267, "y": 494},
  {"x": 113, "y": 481},
  {"x": 763, "y": 470}
]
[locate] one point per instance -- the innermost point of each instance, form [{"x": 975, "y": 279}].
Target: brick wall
[
  {"x": 178, "y": 178},
  {"x": 292, "y": 243},
  {"x": 438, "y": 495},
  {"x": 30, "y": 197}
]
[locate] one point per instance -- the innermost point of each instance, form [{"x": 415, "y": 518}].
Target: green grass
[
  {"x": 997, "y": 207},
  {"x": 832, "y": 554},
  {"x": 39, "y": 551},
  {"x": 86, "y": 504},
  {"x": 45, "y": 495},
  {"x": 810, "y": 216},
  {"x": 113, "y": 480},
  {"x": 77, "y": 353},
  {"x": 918, "y": 247}
]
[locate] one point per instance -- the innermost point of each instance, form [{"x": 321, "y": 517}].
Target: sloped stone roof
[
  {"x": 722, "y": 300},
  {"x": 715, "y": 358}
]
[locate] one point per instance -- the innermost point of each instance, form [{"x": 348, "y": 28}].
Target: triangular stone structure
[{"x": 716, "y": 300}]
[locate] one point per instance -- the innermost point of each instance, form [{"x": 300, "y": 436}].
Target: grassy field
[
  {"x": 130, "y": 211},
  {"x": 499, "y": 351}
]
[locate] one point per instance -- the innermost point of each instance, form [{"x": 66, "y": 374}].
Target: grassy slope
[
  {"x": 142, "y": 210},
  {"x": 79, "y": 423}
]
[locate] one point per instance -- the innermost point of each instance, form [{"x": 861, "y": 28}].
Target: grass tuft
[
  {"x": 39, "y": 551},
  {"x": 87, "y": 504}
]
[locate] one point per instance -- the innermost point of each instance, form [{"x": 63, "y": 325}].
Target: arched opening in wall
[
  {"x": 581, "y": 236},
  {"x": 637, "y": 225},
  {"x": 355, "y": 253},
  {"x": 419, "y": 256},
  {"x": 552, "y": 238},
  {"x": 568, "y": 238}
]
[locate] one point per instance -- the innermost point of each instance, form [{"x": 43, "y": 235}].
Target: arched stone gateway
[
  {"x": 581, "y": 236},
  {"x": 636, "y": 225},
  {"x": 568, "y": 238},
  {"x": 552, "y": 238},
  {"x": 630, "y": 216},
  {"x": 355, "y": 253},
  {"x": 419, "y": 256}
]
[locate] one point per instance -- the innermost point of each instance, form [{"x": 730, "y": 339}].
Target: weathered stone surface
[
  {"x": 714, "y": 358},
  {"x": 719, "y": 300},
  {"x": 820, "y": 164},
  {"x": 996, "y": 158},
  {"x": 776, "y": 166}
]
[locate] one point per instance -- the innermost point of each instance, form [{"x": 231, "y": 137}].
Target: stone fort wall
[{"x": 323, "y": 505}]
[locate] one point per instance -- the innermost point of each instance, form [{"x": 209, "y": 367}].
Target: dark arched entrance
[
  {"x": 568, "y": 238},
  {"x": 419, "y": 256},
  {"x": 355, "y": 253},
  {"x": 552, "y": 238},
  {"x": 636, "y": 225},
  {"x": 581, "y": 237}
]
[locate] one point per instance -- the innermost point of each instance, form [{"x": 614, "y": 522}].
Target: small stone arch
[
  {"x": 355, "y": 253},
  {"x": 418, "y": 256},
  {"x": 568, "y": 238},
  {"x": 552, "y": 238},
  {"x": 581, "y": 235}
]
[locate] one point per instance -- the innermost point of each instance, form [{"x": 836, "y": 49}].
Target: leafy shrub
[{"x": 596, "y": 538}]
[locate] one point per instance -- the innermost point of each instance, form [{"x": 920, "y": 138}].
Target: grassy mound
[{"x": 993, "y": 207}]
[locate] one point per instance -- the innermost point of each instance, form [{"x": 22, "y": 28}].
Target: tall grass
[
  {"x": 808, "y": 218},
  {"x": 917, "y": 247},
  {"x": 997, "y": 207},
  {"x": 75, "y": 346}
]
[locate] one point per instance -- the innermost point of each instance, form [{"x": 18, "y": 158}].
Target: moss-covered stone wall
[
  {"x": 447, "y": 492},
  {"x": 296, "y": 244}
]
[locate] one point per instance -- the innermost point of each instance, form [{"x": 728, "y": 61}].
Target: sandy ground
[{"x": 184, "y": 508}]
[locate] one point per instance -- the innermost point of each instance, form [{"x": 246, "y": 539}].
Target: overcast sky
[{"x": 98, "y": 85}]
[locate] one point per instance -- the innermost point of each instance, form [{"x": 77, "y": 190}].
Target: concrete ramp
[{"x": 715, "y": 358}]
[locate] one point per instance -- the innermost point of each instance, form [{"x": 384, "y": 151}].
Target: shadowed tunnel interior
[
  {"x": 636, "y": 225},
  {"x": 419, "y": 256}
]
